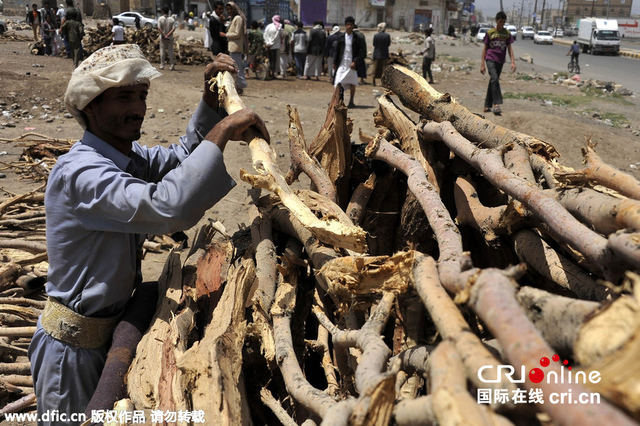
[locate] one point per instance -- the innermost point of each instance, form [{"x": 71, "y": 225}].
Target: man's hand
[
  {"x": 513, "y": 67},
  {"x": 483, "y": 68},
  {"x": 221, "y": 62},
  {"x": 235, "y": 125}
]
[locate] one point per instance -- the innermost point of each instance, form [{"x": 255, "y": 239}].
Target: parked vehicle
[
  {"x": 129, "y": 19},
  {"x": 513, "y": 30},
  {"x": 543, "y": 37},
  {"x": 481, "y": 33},
  {"x": 558, "y": 32},
  {"x": 3, "y": 27},
  {"x": 527, "y": 32},
  {"x": 599, "y": 36},
  {"x": 570, "y": 32}
]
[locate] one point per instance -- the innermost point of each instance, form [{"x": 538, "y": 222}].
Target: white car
[
  {"x": 129, "y": 20},
  {"x": 558, "y": 33},
  {"x": 513, "y": 30},
  {"x": 543, "y": 37},
  {"x": 481, "y": 33},
  {"x": 527, "y": 32}
]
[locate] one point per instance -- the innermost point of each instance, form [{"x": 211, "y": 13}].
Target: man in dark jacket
[
  {"x": 381, "y": 43},
  {"x": 315, "y": 49},
  {"x": 351, "y": 49},
  {"x": 330, "y": 50},
  {"x": 216, "y": 28},
  {"x": 34, "y": 18}
]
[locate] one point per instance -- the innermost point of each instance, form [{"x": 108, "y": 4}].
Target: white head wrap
[
  {"x": 335, "y": 29},
  {"x": 112, "y": 66},
  {"x": 382, "y": 26}
]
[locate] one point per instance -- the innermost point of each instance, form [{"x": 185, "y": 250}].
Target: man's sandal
[{"x": 487, "y": 109}]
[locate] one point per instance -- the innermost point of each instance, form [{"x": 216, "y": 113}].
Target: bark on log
[
  {"x": 415, "y": 93},
  {"x": 23, "y": 368},
  {"x": 565, "y": 226},
  {"x": 20, "y": 404},
  {"x": 17, "y": 331},
  {"x": 9, "y": 273},
  {"x": 542, "y": 258},
  {"x": 546, "y": 311},
  {"x": 30, "y": 246},
  {"x": 606, "y": 175},
  {"x": 360, "y": 198}
]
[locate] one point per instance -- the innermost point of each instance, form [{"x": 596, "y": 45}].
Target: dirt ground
[{"x": 35, "y": 86}]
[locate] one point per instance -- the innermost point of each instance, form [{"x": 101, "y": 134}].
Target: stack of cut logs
[
  {"x": 186, "y": 51},
  {"x": 422, "y": 264}
]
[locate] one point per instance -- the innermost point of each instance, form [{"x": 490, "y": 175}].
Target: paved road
[{"x": 625, "y": 71}]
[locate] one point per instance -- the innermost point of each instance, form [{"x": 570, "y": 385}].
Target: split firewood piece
[
  {"x": 332, "y": 146},
  {"x": 452, "y": 326},
  {"x": 143, "y": 382},
  {"x": 276, "y": 408},
  {"x": 271, "y": 179},
  {"x": 452, "y": 403},
  {"x": 311, "y": 398},
  {"x": 415, "y": 93},
  {"x": 542, "y": 258},
  {"x": 300, "y": 159},
  {"x": 19, "y": 405},
  {"x": 211, "y": 369},
  {"x": 390, "y": 116},
  {"x": 415, "y": 412},
  {"x": 607, "y": 175},
  {"x": 492, "y": 297},
  {"x": 33, "y": 196},
  {"x": 547, "y": 310},
  {"x": 447, "y": 234},
  {"x": 266, "y": 260},
  {"x": 566, "y": 227},
  {"x": 348, "y": 276},
  {"x": 9, "y": 273}
]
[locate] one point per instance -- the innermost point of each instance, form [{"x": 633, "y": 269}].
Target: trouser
[
  {"x": 494, "y": 95},
  {"x": 285, "y": 58},
  {"x": 313, "y": 66},
  {"x": 574, "y": 57},
  {"x": 75, "y": 47},
  {"x": 166, "y": 46},
  {"x": 330, "y": 71},
  {"x": 241, "y": 81},
  {"x": 426, "y": 68},
  {"x": 300, "y": 58},
  {"x": 47, "y": 46},
  {"x": 36, "y": 31},
  {"x": 273, "y": 60},
  {"x": 67, "y": 48}
]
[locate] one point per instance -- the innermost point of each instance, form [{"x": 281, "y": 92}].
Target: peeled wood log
[
  {"x": 542, "y": 258},
  {"x": 23, "y": 368},
  {"x": 22, "y": 301},
  {"x": 415, "y": 412},
  {"x": 19, "y": 405},
  {"x": 490, "y": 221},
  {"x": 18, "y": 380},
  {"x": 30, "y": 246},
  {"x": 271, "y": 178},
  {"x": 415, "y": 93},
  {"x": 17, "y": 331},
  {"x": 266, "y": 260},
  {"x": 267, "y": 399}
]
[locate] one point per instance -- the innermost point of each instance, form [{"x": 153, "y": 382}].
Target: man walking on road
[
  {"x": 497, "y": 42},
  {"x": 351, "y": 49}
]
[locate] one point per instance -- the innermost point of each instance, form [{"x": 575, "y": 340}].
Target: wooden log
[
  {"x": 271, "y": 178},
  {"x": 17, "y": 380},
  {"x": 17, "y": 331},
  {"x": 9, "y": 273},
  {"x": 22, "y": 368}
]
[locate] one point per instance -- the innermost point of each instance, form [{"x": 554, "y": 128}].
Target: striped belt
[{"x": 70, "y": 327}]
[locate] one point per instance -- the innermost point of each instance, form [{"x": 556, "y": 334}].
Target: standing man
[
  {"x": 216, "y": 29},
  {"x": 272, "y": 36},
  {"x": 34, "y": 18},
  {"x": 74, "y": 31},
  {"x": 118, "y": 33},
  {"x": 166, "y": 26},
  {"x": 299, "y": 42},
  {"x": 381, "y": 43},
  {"x": 48, "y": 11},
  {"x": 497, "y": 42},
  {"x": 315, "y": 49},
  {"x": 330, "y": 51},
  {"x": 348, "y": 52},
  {"x": 429, "y": 53},
  {"x": 103, "y": 196},
  {"x": 238, "y": 42}
]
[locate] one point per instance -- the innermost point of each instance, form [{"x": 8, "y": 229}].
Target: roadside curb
[{"x": 630, "y": 54}]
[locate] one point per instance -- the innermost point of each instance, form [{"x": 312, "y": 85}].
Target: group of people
[{"x": 48, "y": 21}]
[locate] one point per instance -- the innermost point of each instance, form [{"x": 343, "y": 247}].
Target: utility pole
[
  {"x": 535, "y": 12},
  {"x": 544, "y": 2},
  {"x": 521, "y": 9},
  {"x": 501, "y": 7},
  {"x": 593, "y": 5}
]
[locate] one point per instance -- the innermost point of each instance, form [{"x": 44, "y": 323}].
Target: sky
[{"x": 491, "y": 7}]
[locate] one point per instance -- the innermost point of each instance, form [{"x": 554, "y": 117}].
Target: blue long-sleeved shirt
[{"x": 100, "y": 203}]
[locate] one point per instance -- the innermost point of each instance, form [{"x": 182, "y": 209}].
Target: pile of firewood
[
  {"x": 422, "y": 264},
  {"x": 189, "y": 51}
]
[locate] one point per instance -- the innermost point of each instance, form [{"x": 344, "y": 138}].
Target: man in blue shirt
[{"x": 103, "y": 197}]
